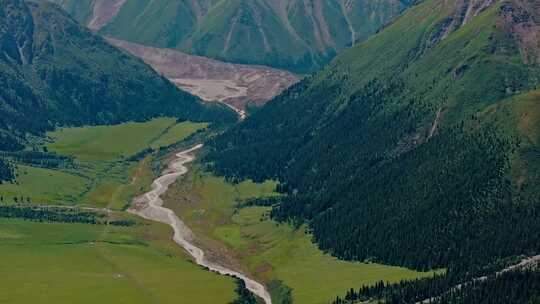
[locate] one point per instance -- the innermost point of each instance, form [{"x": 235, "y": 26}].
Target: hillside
[
  {"x": 295, "y": 35},
  {"x": 53, "y": 72},
  {"x": 418, "y": 147}
]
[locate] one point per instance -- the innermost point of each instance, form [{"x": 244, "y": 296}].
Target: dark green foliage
[
  {"x": 7, "y": 172},
  {"x": 44, "y": 214},
  {"x": 510, "y": 287},
  {"x": 124, "y": 223},
  {"x": 9, "y": 143},
  {"x": 397, "y": 152},
  {"x": 140, "y": 155},
  {"x": 447, "y": 195},
  {"x": 39, "y": 159},
  {"x": 244, "y": 295},
  {"x": 260, "y": 201},
  {"x": 55, "y": 72},
  {"x": 280, "y": 292},
  {"x": 55, "y": 214}
]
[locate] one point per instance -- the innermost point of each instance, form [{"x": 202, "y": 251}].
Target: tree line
[
  {"x": 513, "y": 287},
  {"x": 51, "y": 214},
  {"x": 7, "y": 171},
  {"x": 43, "y": 159}
]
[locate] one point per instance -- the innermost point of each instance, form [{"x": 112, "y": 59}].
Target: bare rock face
[{"x": 212, "y": 80}]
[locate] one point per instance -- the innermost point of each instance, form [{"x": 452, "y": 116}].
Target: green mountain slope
[
  {"x": 293, "y": 34},
  {"x": 55, "y": 72},
  {"x": 418, "y": 147}
]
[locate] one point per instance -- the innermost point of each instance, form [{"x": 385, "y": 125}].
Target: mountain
[
  {"x": 54, "y": 72},
  {"x": 295, "y": 35},
  {"x": 419, "y": 147}
]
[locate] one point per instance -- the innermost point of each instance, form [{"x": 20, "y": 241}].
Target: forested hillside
[
  {"x": 54, "y": 72},
  {"x": 291, "y": 34},
  {"x": 6, "y": 171},
  {"x": 513, "y": 287},
  {"x": 419, "y": 147}
]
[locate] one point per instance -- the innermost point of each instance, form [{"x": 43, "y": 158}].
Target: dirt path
[{"x": 150, "y": 206}]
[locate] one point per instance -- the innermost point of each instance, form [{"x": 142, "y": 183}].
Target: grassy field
[
  {"x": 103, "y": 143},
  {"x": 44, "y": 185},
  {"x": 269, "y": 250},
  {"x": 102, "y": 175},
  {"x": 77, "y": 263}
]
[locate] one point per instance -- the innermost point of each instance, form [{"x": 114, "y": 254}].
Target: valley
[
  {"x": 121, "y": 264},
  {"x": 113, "y": 165},
  {"x": 149, "y": 206},
  {"x": 270, "y": 151},
  {"x": 295, "y": 35},
  {"x": 280, "y": 255}
]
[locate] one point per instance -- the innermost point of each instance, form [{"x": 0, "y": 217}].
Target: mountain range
[
  {"x": 415, "y": 143},
  {"x": 296, "y": 35}
]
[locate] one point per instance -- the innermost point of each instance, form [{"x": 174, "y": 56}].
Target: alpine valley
[{"x": 270, "y": 151}]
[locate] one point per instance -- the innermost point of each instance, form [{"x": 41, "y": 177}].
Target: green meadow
[
  {"x": 102, "y": 175},
  {"x": 82, "y": 263},
  {"x": 78, "y": 263},
  {"x": 105, "y": 143},
  {"x": 269, "y": 250},
  {"x": 45, "y": 185}
]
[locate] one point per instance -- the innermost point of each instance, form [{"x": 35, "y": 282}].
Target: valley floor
[
  {"x": 83, "y": 263},
  {"x": 278, "y": 254}
]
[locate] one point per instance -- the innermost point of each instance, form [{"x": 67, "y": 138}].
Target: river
[{"x": 150, "y": 206}]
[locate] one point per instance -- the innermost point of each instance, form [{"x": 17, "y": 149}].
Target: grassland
[
  {"x": 81, "y": 263},
  {"x": 77, "y": 263},
  {"x": 44, "y": 185},
  {"x": 264, "y": 248},
  {"x": 102, "y": 143},
  {"x": 103, "y": 175}
]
